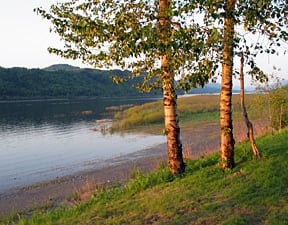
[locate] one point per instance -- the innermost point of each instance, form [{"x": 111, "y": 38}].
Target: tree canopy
[
  {"x": 261, "y": 27},
  {"x": 109, "y": 33}
]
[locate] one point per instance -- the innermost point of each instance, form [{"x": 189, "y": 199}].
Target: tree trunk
[
  {"x": 172, "y": 130},
  {"x": 226, "y": 126},
  {"x": 250, "y": 133}
]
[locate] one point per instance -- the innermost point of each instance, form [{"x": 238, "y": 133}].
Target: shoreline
[
  {"x": 56, "y": 192},
  {"x": 71, "y": 98},
  {"x": 63, "y": 190},
  {"x": 72, "y": 189}
]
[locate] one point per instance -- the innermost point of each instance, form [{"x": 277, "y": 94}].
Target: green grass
[{"x": 255, "y": 192}]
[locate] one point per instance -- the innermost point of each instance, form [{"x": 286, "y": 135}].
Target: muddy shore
[
  {"x": 68, "y": 190},
  {"x": 63, "y": 190}
]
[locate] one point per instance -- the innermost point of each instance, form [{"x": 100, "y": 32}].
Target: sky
[{"x": 25, "y": 37}]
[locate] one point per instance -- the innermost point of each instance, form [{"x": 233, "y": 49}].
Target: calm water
[{"x": 42, "y": 140}]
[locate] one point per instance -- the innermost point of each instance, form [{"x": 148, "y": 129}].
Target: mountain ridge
[
  {"x": 65, "y": 67},
  {"x": 64, "y": 80}
]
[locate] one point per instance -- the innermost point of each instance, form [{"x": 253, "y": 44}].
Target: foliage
[
  {"x": 278, "y": 100},
  {"x": 274, "y": 100},
  {"x": 105, "y": 33},
  {"x": 29, "y": 83},
  {"x": 253, "y": 193},
  {"x": 261, "y": 27}
]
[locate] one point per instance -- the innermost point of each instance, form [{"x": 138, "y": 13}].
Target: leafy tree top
[
  {"x": 261, "y": 26},
  {"x": 127, "y": 34}
]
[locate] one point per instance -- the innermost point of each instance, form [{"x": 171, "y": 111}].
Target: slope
[{"x": 255, "y": 192}]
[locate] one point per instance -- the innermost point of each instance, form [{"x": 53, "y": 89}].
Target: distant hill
[
  {"x": 63, "y": 67},
  {"x": 214, "y": 88},
  {"x": 284, "y": 82},
  {"x": 207, "y": 89},
  {"x": 62, "y": 81}
]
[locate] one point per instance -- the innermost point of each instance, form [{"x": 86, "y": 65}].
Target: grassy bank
[
  {"x": 192, "y": 109},
  {"x": 255, "y": 192}
]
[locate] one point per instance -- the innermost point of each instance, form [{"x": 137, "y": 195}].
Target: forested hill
[
  {"x": 61, "y": 81},
  {"x": 67, "y": 81}
]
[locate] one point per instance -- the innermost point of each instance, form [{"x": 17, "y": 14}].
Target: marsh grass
[
  {"x": 192, "y": 109},
  {"x": 255, "y": 192}
]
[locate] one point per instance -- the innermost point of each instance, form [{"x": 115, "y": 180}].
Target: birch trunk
[
  {"x": 226, "y": 126},
  {"x": 250, "y": 133},
  {"x": 172, "y": 130}
]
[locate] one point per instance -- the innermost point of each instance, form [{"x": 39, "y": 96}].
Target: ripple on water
[{"x": 35, "y": 153}]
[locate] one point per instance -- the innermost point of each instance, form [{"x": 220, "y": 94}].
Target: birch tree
[
  {"x": 249, "y": 125},
  {"x": 226, "y": 125},
  {"x": 152, "y": 39},
  {"x": 233, "y": 23}
]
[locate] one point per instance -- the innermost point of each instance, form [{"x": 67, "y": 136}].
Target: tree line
[
  {"x": 60, "y": 82},
  {"x": 193, "y": 41}
]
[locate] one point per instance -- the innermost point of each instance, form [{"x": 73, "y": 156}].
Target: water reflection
[{"x": 45, "y": 139}]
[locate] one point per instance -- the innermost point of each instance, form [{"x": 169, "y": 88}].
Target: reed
[{"x": 201, "y": 108}]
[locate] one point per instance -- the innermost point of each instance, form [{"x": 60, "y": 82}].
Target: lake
[{"x": 42, "y": 140}]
